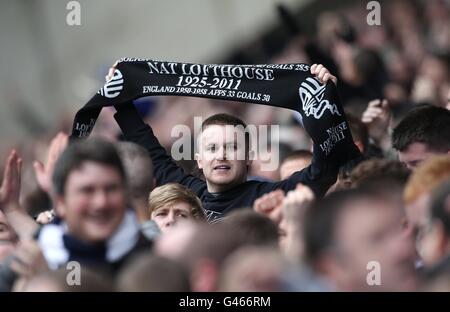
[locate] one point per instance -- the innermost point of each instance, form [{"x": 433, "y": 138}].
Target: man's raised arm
[{"x": 165, "y": 168}]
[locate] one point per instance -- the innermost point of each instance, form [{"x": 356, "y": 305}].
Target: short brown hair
[
  {"x": 171, "y": 193},
  {"x": 427, "y": 124},
  {"x": 89, "y": 150}
]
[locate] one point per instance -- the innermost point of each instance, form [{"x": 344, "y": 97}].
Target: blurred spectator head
[
  {"x": 90, "y": 185},
  {"x": 422, "y": 133},
  {"x": 173, "y": 202},
  {"x": 205, "y": 251},
  {"x": 148, "y": 272},
  {"x": 253, "y": 269},
  {"x": 418, "y": 192},
  {"x": 139, "y": 170},
  {"x": 295, "y": 161},
  {"x": 385, "y": 177},
  {"x": 349, "y": 229},
  {"x": 378, "y": 170},
  {"x": 255, "y": 227}
]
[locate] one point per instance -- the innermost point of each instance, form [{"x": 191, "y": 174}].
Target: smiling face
[
  {"x": 94, "y": 201},
  {"x": 223, "y": 157}
]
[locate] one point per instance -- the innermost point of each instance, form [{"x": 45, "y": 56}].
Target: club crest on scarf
[
  {"x": 311, "y": 94},
  {"x": 113, "y": 87}
]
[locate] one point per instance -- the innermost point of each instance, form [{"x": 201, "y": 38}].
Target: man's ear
[
  {"x": 199, "y": 160},
  {"x": 60, "y": 208}
]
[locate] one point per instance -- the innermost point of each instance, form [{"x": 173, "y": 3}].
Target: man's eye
[
  {"x": 211, "y": 148},
  {"x": 87, "y": 190}
]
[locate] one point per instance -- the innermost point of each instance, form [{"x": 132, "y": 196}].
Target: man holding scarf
[{"x": 226, "y": 187}]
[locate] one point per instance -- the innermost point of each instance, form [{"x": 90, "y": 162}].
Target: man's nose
[
  {"x": 222, "y": 153},
  {"x": 100, "y": 199},
  {"x": 170, "y": 220}
]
